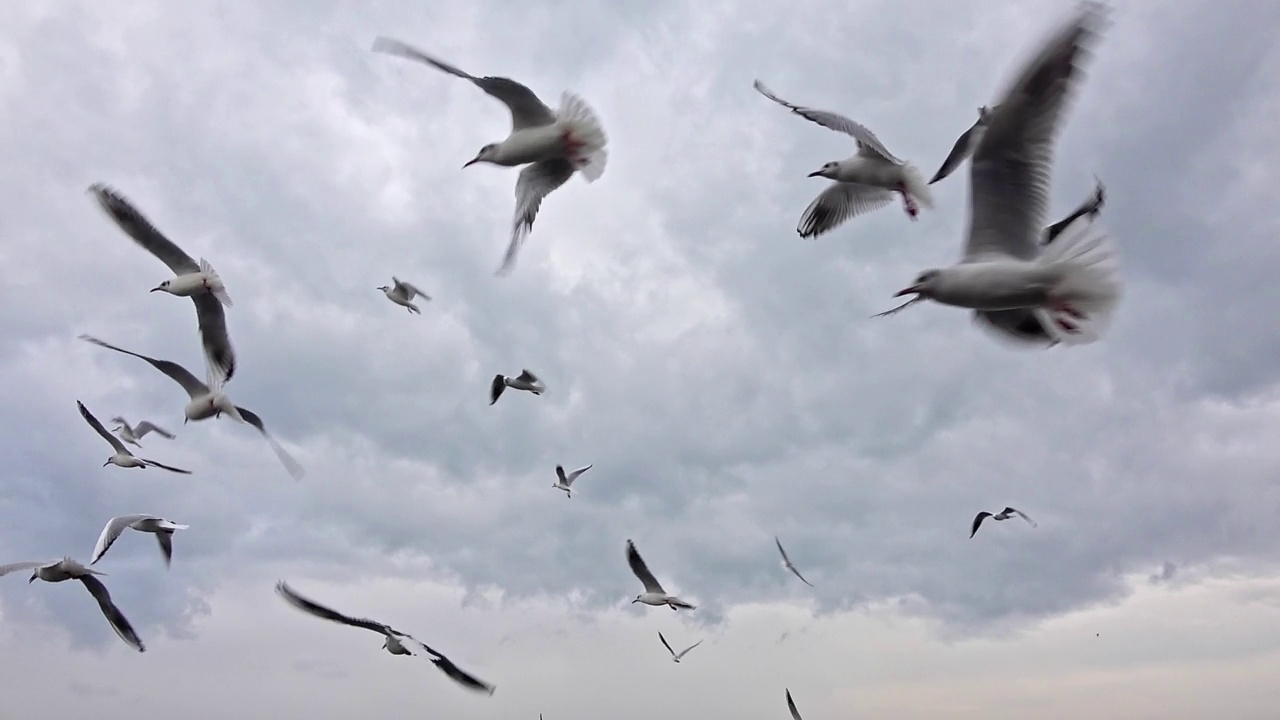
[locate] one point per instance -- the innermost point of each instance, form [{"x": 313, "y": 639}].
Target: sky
[{"x": 722, "y": 375}]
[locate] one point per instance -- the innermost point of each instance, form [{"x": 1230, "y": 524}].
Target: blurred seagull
[
  {"x": 393, "y": 640},
  {"x": 864, "y": 182},
  {"x": 122, "y": 457},
  {"x": 674, "y": 656},
  {"x": 965, "y": 145},
  {"x": 197, "y": 281},
  {"x": 133, "y": 434},
  {"x": 161, "y": 528},
  {"x": 786, "y": 562},
  {"x": 554, "y": 144},
  {"x": 564, "y": 481},
  {"x": 1004, "y": 514},
  {"x": 67, "y": 569},
  {"x": 402, "y": 292},
  {"x": 208, "y": 400},
  {"x": 525, "y": 381},
  {"x": 653, "y": 593}
]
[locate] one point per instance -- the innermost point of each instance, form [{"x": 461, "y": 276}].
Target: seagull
[
  {"x": 786, "y": 562},
  {"x": 402, "y": 292},
  {"x": 133, "y": 434},
  {"x": 525, "y": 381},
  {"x": 197, "y": 281},
  {"x": 791, "y": 705},
  {"x": 965, "y": 145},
  {"x": 393, "y": 640},
  {"x": 676, "y": 657},
  {"x": 122, "y": 457},
  {"x": 1004, "y": 514},
  {"x": 68, "y": 569},
  {"x": 1073, "y": 284},
  {"x": 864, "y": 182},
  {"x": 653, "y": 593},
  {"x": 208, "y": 400},
  {"x": 161, "y": 528},
  {"x": 564, "y": 481},
  {"x": 554, "y": 144}
]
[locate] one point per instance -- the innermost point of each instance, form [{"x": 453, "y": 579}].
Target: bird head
[
  {"x": 162, "y": 286},
  {"x": 827, "y": 171},
  {"x": 385, "y": 288},
  {"x": 486, "y": 154},
  {"x": 108, "y": 462},
  {"x": 633, "y": 602}
]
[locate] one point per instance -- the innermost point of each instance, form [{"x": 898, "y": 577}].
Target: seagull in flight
[
  {"x": 393, "y": 640},
  {"x": 675, "y": 657},
  {"x": 68, "y": 569},
  {"x": 525, "y": 381},
  {"x": 132, "y": 434},
  {"x": 401, "y": 293},
  {"x": 158, "y": 526},
  {"x": 653, "y": 593},
  {"x": 1004, "y": 514},
  {"x": 122, "y": 457},
  {"x": 564, "y": 481},
  {"x": 864, "y": 182},
  {"x": 554, "y": 144},
  {"x": 208, "y": 400},
  {"x": 791, "y": 705},
  {"x": 786, "y": 562},
  {"x": 197, "y": 281}
]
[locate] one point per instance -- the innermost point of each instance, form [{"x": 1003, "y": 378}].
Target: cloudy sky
[{"x": 722, "y": 375}]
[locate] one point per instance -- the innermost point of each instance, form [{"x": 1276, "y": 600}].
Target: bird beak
[
  {"x": 816, "y": 173},
  {"x": 633, "y": 602},
  {"x": 106, "y": 463},
  {"x": 31, "y": 579},
  {"x": 907, "y": 291},
  {"x": 155, "y": 289},
  {"x": 472, "y": 161}
]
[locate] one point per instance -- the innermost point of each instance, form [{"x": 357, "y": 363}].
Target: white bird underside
[{"x": 158, "y": 526}]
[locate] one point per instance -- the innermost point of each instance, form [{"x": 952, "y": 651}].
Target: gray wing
[
  {"x": 1010, "y": 170},
  {"x": 686, "y": 650},
  {"x": 535, "y": 182},
  {"x": 162, "y": 466},
  {"x": 574, "y": 475},
  {"x": 641, "y": 570},
  {"x": 136, "y": 226},
  {"x": 410, "y": 289},
  {"x": 321, "y": 611},
  {"x": 219, "y": 356},
  {"x": 26, "y": 565},
  {"x": 290, "y": 465},
  {"x": 666, "y": 644},
  {"x": 839, "y": 202},
  {"x": 496, "y": 387},
  {"x": 118, "y": 621},
  {"x": 962, "y": 149},
  {"x": 176, "y": 372},
  {"x": 114, "y": 527},
  {"x": 868, "y": 143},
  {"x": 165, "y": 538},
  {"x": 977, "y": 521},
  {"x": 526, "y": 109},
  {"x": 93, "y": 423},
  {"x": 454, "y": 672},
  {"x": 785, "y": 559},
  {"x": 1091, "y": 207},
  {"x": 560, "y": 474},
  {"x": 1019, "y": 325},
  {"x": 791, "y": 705},
  {"x": 1019, "y": 513},
  {"x": 526, "y": 375},
  {"x": 146, "y": 426}
]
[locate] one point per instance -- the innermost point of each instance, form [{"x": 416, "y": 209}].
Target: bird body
[
  {"x": 563, "y": 481},
  {"x": 161, "y": 528},
  {"x": 402, "y": 293},
  {"x": 132, "y": 434},
  {"x": 121, "y": 457},
  {"x": 653, "y": 593},
  {"x": 67, "y": 569},
  {"x": 526, "y": 381},
  {"x": 1005, "y": 514}
]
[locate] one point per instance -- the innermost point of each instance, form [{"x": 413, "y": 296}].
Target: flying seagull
[
  {"x": 554, "y": 144},
  {"x": 653, "y": 593},
  {"x": 1073, "y": 284},
  {"x": 864, "y": 182},
  {"x": 68, "y": 569},
  {"x": 791, "y": 705},
  {"x": 525, "y": 381},
  {"x": 965, "y": 145},
  {"x": 564, "y": 481},
  {"x": 208, "y": 400},
  {"x": 674, "y": 656},
  {"x": 401, "y": 293},
  {"x": 393, "y": 640},
  {"x": 132, "y": 434},
  {"x": 122, "y": 457},
  {"x": 197, "y": 281},
  {"x": 786, "y": 562},
  {"x": 1004, "y": 514},
  {"x": 161, "y": 528}
]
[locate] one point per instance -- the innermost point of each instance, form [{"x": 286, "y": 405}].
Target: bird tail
[
  {"x": 215, "y": 283},
  {"x": 916, "y": 185},
  {"x": 585, "y": 135},
  {"x": 1088, "y": 288}
]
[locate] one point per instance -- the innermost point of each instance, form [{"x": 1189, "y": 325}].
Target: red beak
[
  {"x": 471, "y": 162},
  {"x": 908, "y": 291}
]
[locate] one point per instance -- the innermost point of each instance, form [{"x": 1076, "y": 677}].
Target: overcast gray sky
[{"x": 721, "y": 374}]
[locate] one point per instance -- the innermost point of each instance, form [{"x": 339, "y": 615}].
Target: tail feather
[
  {"x": 215, "y": 283},
  {"x": 1089, "y": 282},
  {"x": 916, "y": 186},
  {"x": 581, "y": 122}
]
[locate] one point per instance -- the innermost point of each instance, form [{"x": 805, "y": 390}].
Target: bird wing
[
  {"x": 1091, "y": 207},
  {"x": 118, "y": 621},
  {"x": 791, "y": 705},
  {"x": 786, "y": 560},
  {"x": 165, "y": 538},
  {"x": 526, "y": 375},
  {"x": 114, "y": 527},
  {"x": 176, "y": 372},
  {"x": 321, "y": 611},
  {"x": 574, "y": 475},
  {"x": 641, "y": 570},
  {"x": 526, "y": 109},
  {"x": 667, "y": 645},
  {"x": 219, "y": 356},
  {"x": 1019, "y": 325},
  {"x": 797, "y": 574},
  {"x": 686, "y": 650},
  {"x": 146, "y": 426},
  {"x": 1021, "y": 514},
  {"x": 409, "y": 289},
  {"x": 162, "y": 466},
  {"x": 295, "y": 470},
  {"x": 534, "y": 183},
  {"x": 132, "y": 222},
  {"x": 839, "y": 202},
  {"x": 93, "y": 423},
  {"x": 978, "y": 521},
  {"x": 1009, "y": 173},
  {"x": 560, "y": 474},
  {"x": 868, "y": 144},
  {"x": 25, "y": 565},
  {"x": 454, "y": 672},
  {"x": 496, "y": 387},
  {"x": 962, "y": 149}
]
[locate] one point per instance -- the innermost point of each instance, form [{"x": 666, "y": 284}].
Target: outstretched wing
[
  {"x": 114, "y": 527},
  {"x": 25, "y": 565},
  {"x": 1021, "y": 514},
  {"x": 176, "y": 372},
  {"x": 321, "y": 611},
  {"x": 666, "y": 644},
  {"x": 641, "y": 570},
  {"x": 93, "y": 423},
  {"x": 978, "y": 521},
  {"x": 838, "y": 203},
  {"x": 868, "y": 143},
  {"x": 526, "y": 375},
  {"x": 136, "y": 226},
  {"x": 496, "y": 387},
  {"x": 291, "y": 466},
  {"x": 162, "y": 466},
  {"x": 118, "y": 621},
  {"x": 534, "y": 183},
  {"x": 574, "y": 475},
  {"x": 145, "y": 427},
  {"x": 791, "y": 705}
]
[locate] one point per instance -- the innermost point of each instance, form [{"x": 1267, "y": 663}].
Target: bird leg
[{"x": 908, "y": 203}]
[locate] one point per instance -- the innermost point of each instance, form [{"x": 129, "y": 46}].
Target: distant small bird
[
  {"x": 675, "y": 657},
  {"x": 393, "y": 640},
  {"x": 133, "y": 434},
  {"x": 1003, "y": 515},
  {"x": 525, "y": 381},
  {"x": 122, "y": 457},
  {"x": 564, "y": 481},
  {"x": 161, "y": 528},
  {"x": 402, "y": 292},
  {"x": 653, "y": 593},
  {"x": 67, "y": 569},
  {"x": 786, "y": 562},
  {"x": 791, "y": 705}
]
